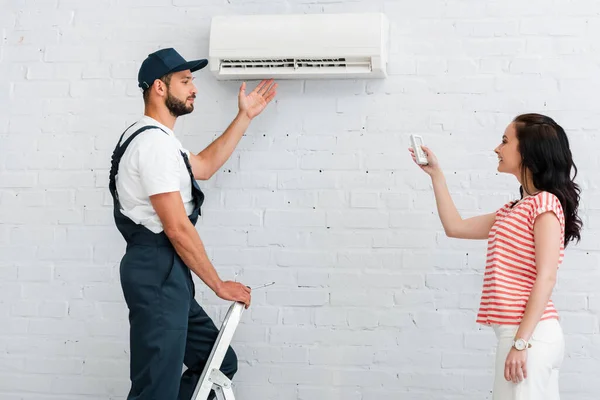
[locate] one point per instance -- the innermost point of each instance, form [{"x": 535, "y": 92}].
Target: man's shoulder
[{"x": 152, "y": 135}]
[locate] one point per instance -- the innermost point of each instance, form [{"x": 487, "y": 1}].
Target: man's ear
[{"x": 160, "y": 87}]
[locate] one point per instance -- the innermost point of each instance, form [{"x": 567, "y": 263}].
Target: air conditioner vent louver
[{"x": 296, "y": 63}]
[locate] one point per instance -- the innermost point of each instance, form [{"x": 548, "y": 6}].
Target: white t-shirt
[{"x": 152, "y": 164}]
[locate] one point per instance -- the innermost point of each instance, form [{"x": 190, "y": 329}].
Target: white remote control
[{"x": 417, "y": 142}]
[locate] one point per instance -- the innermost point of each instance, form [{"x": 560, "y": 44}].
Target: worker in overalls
[{"x": 156, "y": 205}]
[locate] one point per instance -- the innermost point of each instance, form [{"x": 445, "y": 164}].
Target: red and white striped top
[{"x": 510, "y": 270}]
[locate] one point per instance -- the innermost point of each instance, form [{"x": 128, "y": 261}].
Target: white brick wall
[{"x": 372, "y": 301}]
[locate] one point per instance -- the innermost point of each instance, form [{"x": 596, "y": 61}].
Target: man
[{"x": 156, "y": 205}]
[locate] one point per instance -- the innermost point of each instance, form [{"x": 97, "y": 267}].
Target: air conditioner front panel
[{"x": 289, "y": 46}]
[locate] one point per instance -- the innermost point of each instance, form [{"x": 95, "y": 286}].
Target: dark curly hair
[{"x": 546, "y": 155}]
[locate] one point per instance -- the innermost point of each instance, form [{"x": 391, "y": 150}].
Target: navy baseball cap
[{"x": 162, "y": 62}]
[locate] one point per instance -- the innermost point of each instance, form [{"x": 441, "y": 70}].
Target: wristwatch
[{"x": 521, "y": 344}]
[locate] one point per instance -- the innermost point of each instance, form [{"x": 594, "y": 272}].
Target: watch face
[{"x": 520, "y": 344}]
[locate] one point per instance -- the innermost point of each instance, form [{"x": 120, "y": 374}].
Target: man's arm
[
  {"x": 208, "y": 161},
  {"x": 189, "y": 246}
]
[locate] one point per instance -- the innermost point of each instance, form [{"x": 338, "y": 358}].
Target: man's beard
[{"x": 176, "y": 107}]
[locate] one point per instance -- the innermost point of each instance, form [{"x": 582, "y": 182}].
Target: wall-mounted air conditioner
[{"x": 308, "y": 46}]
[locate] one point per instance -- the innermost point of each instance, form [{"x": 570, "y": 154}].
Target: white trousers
[{"x": 543, "y": 362}]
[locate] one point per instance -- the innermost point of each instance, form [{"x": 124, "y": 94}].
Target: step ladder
[{"x": 212, "y": 377}]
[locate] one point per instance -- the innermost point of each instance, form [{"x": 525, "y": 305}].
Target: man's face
[{"x": 181, "y": 93}]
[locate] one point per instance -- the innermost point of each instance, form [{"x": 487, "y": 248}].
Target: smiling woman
[{"x": 526, "y": 241}]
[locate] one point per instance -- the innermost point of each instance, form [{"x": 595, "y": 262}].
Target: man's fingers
[
  {"x": 265, "y": 86},
  {"x": 247, "y": 300},
  {"x": 270, "y": 93},
  {"x": 270, "y": 97},
  {"x": 260, "y": 87}
]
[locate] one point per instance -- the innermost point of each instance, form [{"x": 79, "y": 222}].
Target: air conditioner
[{"x": 307, "y": 46}]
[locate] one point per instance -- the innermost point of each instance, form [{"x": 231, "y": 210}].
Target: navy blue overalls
[{"x": 168, "y": 328}]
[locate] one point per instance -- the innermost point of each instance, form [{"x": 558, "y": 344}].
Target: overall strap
[{"x": 118, "y": 154}]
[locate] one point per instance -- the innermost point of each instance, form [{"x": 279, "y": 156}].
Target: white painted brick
[
  {"x": 342, "y": 356},
  {"x": 251, "y": 334},
  {"x": 467, "y": 360},
  {"x": 332, "y": 199},
  {"x": 243, "y": 180},
  {"x": 280, "y": 237},
  {"x": 82, "y": 273},
  {"x": 17, "y": 254},
  {"x": 41, "y": 89},
  {"x": 275, "y": 218},
  {"x": 331, "y": 317},
  {"x": 440, "y": 381},
  {"x": 570, "y": 302},
  {"x": 312, "y": 278},
  {"x": 55, "y": 327},
  {"x": 362, "y": 319},
  {"x": 50, "y": 292},
  {"x": 66, "y": 179},
  {"x": 24, "y": 309},
  {"x": 232, "y": 218},
  {"x": 310, "y": 259},
  {"x": 302, "y": 375},
  {"x": 395, "y": 319},
  {"x": 65, "y": 253},
  {"x": 594, "y": 303},
  {"x": 53, "y": 309},
  {"x": 358, "y": 219},
  {"x": 297, "y": 316},
  {"x": 413, "y": 300},
  {"x": 383, "y": 162},
  {"x": 18, "y": 179},
  {"x": 370, "y": 378},
  {"x": 415, "y": 220},
  {"x": 102, "y": 292},
  {"x": 411, "y": 357},
  {"x": 404, "y": 239},
  {"x": 38, "y": 272},
  {"x": 22, "y": 198},
  {"x": 363, "y": 298},
  {"x": 54, "y": 365},
  {"x": 578, "y": 322},
  {"x": 264, "y": 315},
  {"x": 8, "y": 273},
  {"x": 21, "y": 384},
  {"x": 364, "y": 200},
  {"x": 255, "y": 256},
  {"x": 101, "y": 216},
  {"x": 317, "y": 142},
  {"x": 306, "y": 393},
  {"x": 308, "y": 180},
  {"x": 25, "y": 53},
  {"x": 66, "y": 53},
  {"x": 333, "y": 238},
  {"x": 253, "y": 160},
  {"x": 368, "y": 259},
  {"x": 326, "y": 161},
  {"x": 303, "y": 297}
]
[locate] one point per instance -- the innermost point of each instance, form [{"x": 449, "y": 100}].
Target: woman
[{"x": 526, "y": 241}]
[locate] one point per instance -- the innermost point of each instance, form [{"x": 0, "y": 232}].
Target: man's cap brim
[{"x": 191, "y": 65}]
